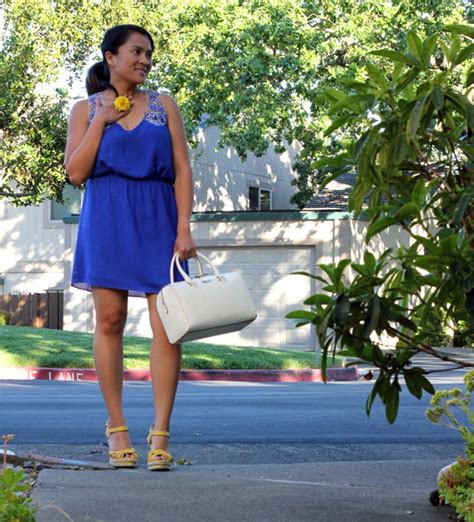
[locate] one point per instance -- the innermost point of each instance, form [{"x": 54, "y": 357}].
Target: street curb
[
  {"x": 56, "y": 462},
  {"x": 29, "y": 373}
]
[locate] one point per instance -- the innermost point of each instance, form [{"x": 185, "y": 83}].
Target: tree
[
  {"x": 413, "y": 157},
  {"x": 256, "y": 69}
]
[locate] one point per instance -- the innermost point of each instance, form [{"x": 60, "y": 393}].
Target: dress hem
[{"x": 87, "y": 286}]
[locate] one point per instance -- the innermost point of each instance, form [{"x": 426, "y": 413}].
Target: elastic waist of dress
[{"x": 132, "y": 178}]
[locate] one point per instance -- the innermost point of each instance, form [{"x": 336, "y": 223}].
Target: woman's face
[{"x": 133, "y": 60}]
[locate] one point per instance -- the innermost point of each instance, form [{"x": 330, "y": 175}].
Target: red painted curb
[{"x": 29, "y": 373}]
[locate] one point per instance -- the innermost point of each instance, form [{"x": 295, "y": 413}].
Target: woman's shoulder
[
  {"x": 83, "y": 105},
  {"x": 168, "y": 102},
  {"x": 166, "y": 98},
  {"x": 80, "y": 108},
  {"x": 84, "y": 109}
]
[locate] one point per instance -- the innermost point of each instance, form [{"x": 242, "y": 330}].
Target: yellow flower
[{"x": 122, "y": 103}]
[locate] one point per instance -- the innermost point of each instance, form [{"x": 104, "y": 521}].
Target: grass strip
[{"x": 44, "y": 348}]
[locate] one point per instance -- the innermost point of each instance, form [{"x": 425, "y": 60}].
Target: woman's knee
[
  {"x": 111, "y": 321},
  {"x": 111, "y": 311}
]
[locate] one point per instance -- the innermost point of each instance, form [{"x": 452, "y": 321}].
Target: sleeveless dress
[{"x": 128, "y": 222}]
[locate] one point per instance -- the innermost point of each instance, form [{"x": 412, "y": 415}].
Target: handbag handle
[{"x": 184, "y": 274}]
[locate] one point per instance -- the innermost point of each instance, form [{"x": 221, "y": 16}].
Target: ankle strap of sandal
[
  {"x": 118, "y": 428},
  {"x": 162, "y": 433}
]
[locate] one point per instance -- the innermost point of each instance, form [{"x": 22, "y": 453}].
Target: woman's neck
[{"x": 124, "y": 88}]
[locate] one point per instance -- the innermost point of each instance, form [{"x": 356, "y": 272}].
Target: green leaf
[
  {"x": 342, "y": 309},
  {"x": 463, "y": 105},
  {"x": 413, "y": 384},
  {"x": 371, "y": 397},
  {"x": 302, "y": 323},
  {"x": 398, "y": 149},
  {"x": 437, "y": 96},
  {"x": 376, "y": 75},
  {"x": 348, "y": 101},
  {"x": 324, "y": 363},
  {"x": 309, "y": 275},
  {"x": 466, "y": 54},
  {"x": 318, "y": 299},
  {"x": 403, "y": 355},
  {"x": 373, "y": 316},
  {"x": 369, "y": 261},
  {"x": 392, "y": 402},
  {"x": 428, "y": 261},
  {"x": 455, "y": 46},
  {"x": 426, "y": 385},
  {"x": 446, "y": 51},
  {"x": 356, "y": 198},
  {"x": 360, "y": 144},
  {"x": 418, "y": 193},
  {"x": 328, "y": 179},
  {"x": 465, "y": 201},
  {"x": 465, "y": 29},
  {"x": 301, "y": 314},
  {"x": 409, "y": 210},
  {"x": 380, "y": 224},
  {"x": 396, "y": 56},
  {"x": 349, "y": 351},
  {"x": 336, "y": 124},
  {"x": 448, "y": 244},
  {"x": 341, "y": 160},
  {"x": 415, "y": 45},
  {"x": 341, "y": 266},
  {"x": 333, "y": 94},
  {"x": 428, "y": 47},
  {"x": 389, "y": 312},
  {"x": 398, "y": 68},
  {"x": 412, "y": 124},
  {"x": 406, "y": 80},
  {"x": 361, "y": 269}
]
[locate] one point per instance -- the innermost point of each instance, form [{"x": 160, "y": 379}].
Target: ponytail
[{"x": 98, "y": 78}]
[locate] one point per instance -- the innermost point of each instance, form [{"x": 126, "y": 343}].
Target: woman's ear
[{"x": 109, "y": 57}]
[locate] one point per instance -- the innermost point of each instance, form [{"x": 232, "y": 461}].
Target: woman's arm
[
  {"x": 182, "y": 165},
  {"x": 183, "y": 177},
  {"x": 83, "y": 140}
]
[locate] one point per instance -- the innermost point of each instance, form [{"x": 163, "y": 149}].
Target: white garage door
[{"x": 266, "y": 270}]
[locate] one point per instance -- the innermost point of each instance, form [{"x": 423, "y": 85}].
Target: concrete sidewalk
[{"x": 317, "y": 491}]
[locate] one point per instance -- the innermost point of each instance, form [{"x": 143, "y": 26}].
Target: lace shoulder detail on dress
[
  {"x": 92, "y": 103},
  {"x": 156, "y": 113}
]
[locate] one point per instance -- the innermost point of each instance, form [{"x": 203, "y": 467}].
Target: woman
[{"x": 135, "y": 215}]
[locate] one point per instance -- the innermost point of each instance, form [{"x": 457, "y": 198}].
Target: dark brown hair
[{"x": 98, "y": 76}]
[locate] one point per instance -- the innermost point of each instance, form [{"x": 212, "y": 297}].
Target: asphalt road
[{"x": 67, "y": 418}]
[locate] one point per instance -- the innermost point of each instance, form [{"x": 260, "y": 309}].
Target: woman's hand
[
  {"x": 184, "y": 244},
  {"x": 107, "y": 112}
]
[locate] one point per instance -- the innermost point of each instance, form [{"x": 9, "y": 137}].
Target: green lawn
[{"x": 24, "y": 346}]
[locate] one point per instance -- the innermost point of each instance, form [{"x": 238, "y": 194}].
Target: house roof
[{"x": 335, "y": 196}]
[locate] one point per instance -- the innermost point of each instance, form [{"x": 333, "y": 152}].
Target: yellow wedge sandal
[
  {"x": 165, "y": 463},
  {"x": 124, "y": 458}
]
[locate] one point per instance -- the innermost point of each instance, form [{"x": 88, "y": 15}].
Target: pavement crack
[{"x": 310, "y": 483}]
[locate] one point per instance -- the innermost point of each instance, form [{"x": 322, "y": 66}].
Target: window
[
  {"x": 72, "y": 204},
  {"x": 260, "y": 199}
]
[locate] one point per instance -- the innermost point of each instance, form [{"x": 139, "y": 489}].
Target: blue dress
[{"x": 128, "y": 222}]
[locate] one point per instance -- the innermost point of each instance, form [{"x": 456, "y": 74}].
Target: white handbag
[{"x": 204, "y": 305}]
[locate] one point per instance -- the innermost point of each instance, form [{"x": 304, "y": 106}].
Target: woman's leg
[
  {"x": 111, "y": 315},
  {"x": 165, "y": 364}
]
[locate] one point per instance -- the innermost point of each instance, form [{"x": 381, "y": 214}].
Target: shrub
[{"x": 456, "y": 485}]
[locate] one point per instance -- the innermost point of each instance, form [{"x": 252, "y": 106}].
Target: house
[{"x": 242, "y": 219}]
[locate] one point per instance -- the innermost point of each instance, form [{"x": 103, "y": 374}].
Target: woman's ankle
[{"x": 116, "y": 421}]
